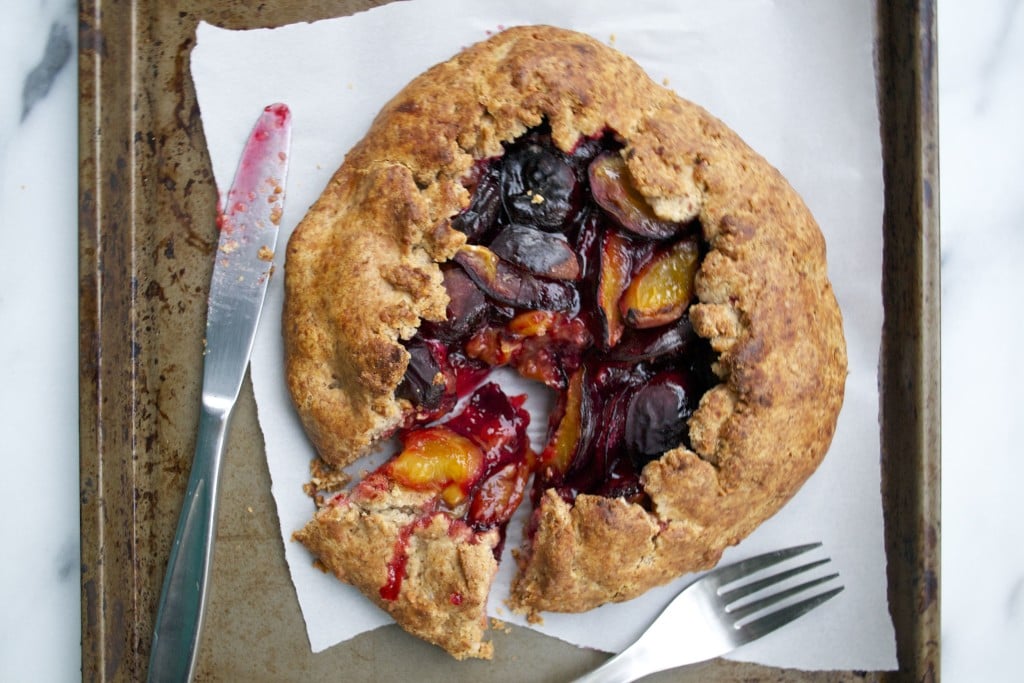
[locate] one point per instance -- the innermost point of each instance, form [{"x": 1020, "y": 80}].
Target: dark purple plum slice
[
  {"x": 507, "y": 284},
  {"x": 656, "y": 419},
  {"x": 591, "y": 468},
  {"x": 572, "y": 430},
  {"x": 612, "y": 280},
  {"x": 622, "y": 481},
  {"x": 482, "y": 213},
  {"x": 546, "y": 254},
  {"x": 638, "y": 346},
  {"x": 424, "y": 384},
  {"x": 614, "y": 192},
  {"x": 467, "y": 308},
  {"x": 538, "y": 186}
]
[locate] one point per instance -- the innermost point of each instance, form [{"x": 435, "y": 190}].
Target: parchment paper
[{"x": 794, "y": 79}]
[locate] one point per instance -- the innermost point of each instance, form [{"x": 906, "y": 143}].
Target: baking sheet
[
  {"x": 335, "y": 75},
  {"x": 146, "y": 182}
]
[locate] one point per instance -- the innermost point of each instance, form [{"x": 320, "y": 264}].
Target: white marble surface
[
  {"x": 39, "y": 570},
  {"x": 981, "y": 57},
  {"x": 981, "y": 67}
]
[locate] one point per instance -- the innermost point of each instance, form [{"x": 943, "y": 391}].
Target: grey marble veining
[
  {"x": 981, "y": 65},
  {"x": 55, "y": 58},
  {"x": 39, "y": 534}
]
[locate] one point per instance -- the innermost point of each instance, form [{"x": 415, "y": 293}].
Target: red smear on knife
[
  {"x": 280, "y": 112},
  {"x": 252, "y": 177}
]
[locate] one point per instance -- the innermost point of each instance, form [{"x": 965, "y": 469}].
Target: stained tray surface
[{"x": 147, "y": 202}]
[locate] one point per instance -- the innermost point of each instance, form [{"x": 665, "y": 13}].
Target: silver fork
[{"x": 710, "y": 616}]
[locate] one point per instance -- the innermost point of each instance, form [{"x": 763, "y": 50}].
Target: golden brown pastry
[
  {"x": 431, "y": 572},
  {"x": 538, "y": 202}
]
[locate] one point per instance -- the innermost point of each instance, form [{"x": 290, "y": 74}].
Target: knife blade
[{"x": 248, "y": 222}]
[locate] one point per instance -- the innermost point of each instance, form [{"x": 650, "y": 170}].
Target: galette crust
[
  {"x": 446, "y": 578},
  {"x": 362, "y": 271}
]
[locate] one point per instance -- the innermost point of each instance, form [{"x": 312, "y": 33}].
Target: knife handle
[{"x": 179, "y": 618}]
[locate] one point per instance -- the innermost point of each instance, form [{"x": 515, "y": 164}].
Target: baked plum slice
[
  {"x": 424, "y": 383},
  {"x": 660, "y": 292},
  {"x": 484, "y": 207},
  {"x": 467, "y": 310},
  {"x": 541, "y": 253},
  {"x": 614, "y": 191},
  {"x": 571, "y": 432},
  {"x": 436, "y": 378},
  {"x": 440, "y": 460},
  {"x": 452, "y": 459},
  {"x": 655, "y": 420},
  {"x": 538, "y": 186},
  {"x": 655, "y": 344},
  {"x": 612, "y": 280},
  {"x": 498, "y": 497},
  {"x": 508, "y": 284}
]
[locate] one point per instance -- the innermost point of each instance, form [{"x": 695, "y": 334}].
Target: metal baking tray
[{"x": 147, "y": 202}]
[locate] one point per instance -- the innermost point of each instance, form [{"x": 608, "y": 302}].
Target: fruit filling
[
  {"x": 476, "y": 464},
  {"x": 459, "y": 458},
  {"x": 570, "y": 278}
]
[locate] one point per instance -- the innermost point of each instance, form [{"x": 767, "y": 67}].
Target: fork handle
[
  {"x": 632, "y": 663},
  {"x": 615, "y": 670},
  {"x": 179, "y": 617}
]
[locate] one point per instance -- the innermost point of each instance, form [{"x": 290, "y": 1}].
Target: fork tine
[
  {"x": 731, "y": 596},
  {"x": 727, "y": 575},
  {"x": 702, "y": 611},
  {"x": 769, "y": 600},
  {"x": 770, "y": 622}
]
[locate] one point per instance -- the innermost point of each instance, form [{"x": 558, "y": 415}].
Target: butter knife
[{"x": 248, "y": 222}]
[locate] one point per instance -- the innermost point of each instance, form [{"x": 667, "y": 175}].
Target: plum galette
[{"x": 538, "y": 203}]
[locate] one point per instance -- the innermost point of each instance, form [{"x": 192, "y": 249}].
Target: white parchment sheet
[{"x": 794, "y": 79}]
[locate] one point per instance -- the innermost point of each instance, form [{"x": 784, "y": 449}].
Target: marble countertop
[{"x": 981, "y": 52}]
